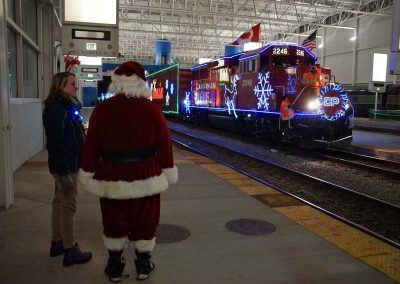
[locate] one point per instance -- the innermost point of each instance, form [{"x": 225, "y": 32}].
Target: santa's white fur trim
[
  {"x": 115, "y": 243},
  {"x": 131, "y": 86},
  {"x": 144, "y": 245},
  {"x": 171, "y": 174},
  {"x": 135, "y": 189},
  {"x": 84, "y": 177}
]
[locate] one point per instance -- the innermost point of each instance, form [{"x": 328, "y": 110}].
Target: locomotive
[{"x": 243, "y": 92}]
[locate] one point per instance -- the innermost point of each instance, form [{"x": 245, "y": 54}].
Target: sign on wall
[{"x": 90, "y": 27}]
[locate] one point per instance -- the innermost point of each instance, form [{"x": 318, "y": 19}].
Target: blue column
[
  {"x": 231, "y": 49},
  {"x": 163, "y": 52}
]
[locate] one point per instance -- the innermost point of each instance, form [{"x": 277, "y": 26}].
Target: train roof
[
  {"x": 270, "y": 46},
  {"x": 252, "y": 53}
]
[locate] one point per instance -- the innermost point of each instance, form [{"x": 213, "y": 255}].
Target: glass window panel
[
  {"x": 30, "y": 67},
  {"x": 12, "y": 64},
  {"x": 11, "y": 9},
  {"x": 29, "y": 21}
]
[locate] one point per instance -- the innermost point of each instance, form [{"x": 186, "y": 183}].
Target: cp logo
[{"x": 331, "y": 101}]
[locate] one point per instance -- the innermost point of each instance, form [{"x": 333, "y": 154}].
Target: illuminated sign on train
[
  {"x": 286, "y": 51},
  {"x": 205, "y": 86}
]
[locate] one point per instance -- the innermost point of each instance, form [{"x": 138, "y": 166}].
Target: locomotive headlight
[{"x": 314, "y": 104}]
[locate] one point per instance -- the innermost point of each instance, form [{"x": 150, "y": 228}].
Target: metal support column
[
  {"x": 6, "y": 177},
  {"x": 355, "y": 47}
]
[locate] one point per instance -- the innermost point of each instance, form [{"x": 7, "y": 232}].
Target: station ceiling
[{"x": 201, "y": 28}]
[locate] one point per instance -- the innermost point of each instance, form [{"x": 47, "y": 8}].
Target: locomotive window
[
  {"x": 264, "y": 64},
  {"x": 223, "y": 75},
  {"x": 252, "y": 65},
  {"x": 310, "y": 61},
  {"x": 248, "y": 66},
  {"x": 280, "y": 61}
]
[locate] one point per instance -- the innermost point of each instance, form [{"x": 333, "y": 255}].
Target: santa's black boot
[
  {"x": 143, "y": 265},
  {"x": 115, "y": 266}
]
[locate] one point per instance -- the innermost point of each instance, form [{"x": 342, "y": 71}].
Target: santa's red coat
[{"x": 127, "y": 123}]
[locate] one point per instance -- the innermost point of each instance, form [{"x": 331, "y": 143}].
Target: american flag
[{"x": 310, "y": 42}]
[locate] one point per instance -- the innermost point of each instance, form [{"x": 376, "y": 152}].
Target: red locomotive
[{"x": 244, "y": 92}]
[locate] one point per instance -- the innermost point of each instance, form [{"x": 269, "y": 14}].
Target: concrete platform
[
  {"x": 377, "y": 137},
  {"x": 377, "y": 125},
  {"x": 202, "y": 202}
]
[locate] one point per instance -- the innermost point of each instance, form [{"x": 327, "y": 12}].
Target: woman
[{"x": 65, "y": 139}]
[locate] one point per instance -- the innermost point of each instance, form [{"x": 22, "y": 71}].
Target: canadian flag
[{"x": 252, "y": 36}]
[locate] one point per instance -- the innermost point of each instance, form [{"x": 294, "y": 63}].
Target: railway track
[
  {"x": 374, "y": 216},
  {"x": 372, "y": 164}
]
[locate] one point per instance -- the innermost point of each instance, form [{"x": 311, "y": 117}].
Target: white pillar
[
  {"x": 6, "y": 177},
  {"x": 323, "y": 42}
]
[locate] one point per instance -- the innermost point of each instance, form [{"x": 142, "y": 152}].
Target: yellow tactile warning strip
[{"x": 375, "y": 253}]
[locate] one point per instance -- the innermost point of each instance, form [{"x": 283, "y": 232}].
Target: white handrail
[{"x": 298, "y": 96}]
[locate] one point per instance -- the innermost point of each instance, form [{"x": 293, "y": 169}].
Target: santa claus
[{"x": 128, "y": 162}]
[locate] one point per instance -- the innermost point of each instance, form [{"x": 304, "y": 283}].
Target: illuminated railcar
[
  {"x": 244, "y": 92},
  {"x": 168, "y": 86}
]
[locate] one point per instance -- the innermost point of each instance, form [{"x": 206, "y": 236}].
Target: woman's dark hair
[{"x": 58, "y": 82}]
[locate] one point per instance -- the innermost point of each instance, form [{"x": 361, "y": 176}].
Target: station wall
[
  {"x": 27, "y": 132},
  {"x": 342, "y": 55}
]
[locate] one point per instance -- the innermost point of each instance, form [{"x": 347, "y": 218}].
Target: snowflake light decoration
[
  {"x": 263, "y": 90},
  {"x": 291, "y": 85}
]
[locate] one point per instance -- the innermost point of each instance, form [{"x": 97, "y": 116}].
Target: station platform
[
  {"x": 275, "y": 240},
  {"x": 377, "y": 137}
]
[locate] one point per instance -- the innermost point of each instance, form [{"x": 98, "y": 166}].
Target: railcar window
[{"x": 203, "y": 73}]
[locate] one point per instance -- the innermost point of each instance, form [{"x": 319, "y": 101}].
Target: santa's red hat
[{"x": 129, "y": 79}]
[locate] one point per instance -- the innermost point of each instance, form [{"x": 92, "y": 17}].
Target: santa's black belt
[{"x": 129, "y": 156}]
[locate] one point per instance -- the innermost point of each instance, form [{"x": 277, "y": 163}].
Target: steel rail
[{"x": 361, "y": 161}]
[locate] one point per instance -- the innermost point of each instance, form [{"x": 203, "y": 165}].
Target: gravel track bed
[{"x": 372, "y": 184}]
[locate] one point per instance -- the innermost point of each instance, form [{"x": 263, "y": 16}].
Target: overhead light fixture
[
  {"x": 353, "y": 38},
  {"x": 320, "y": 45}
]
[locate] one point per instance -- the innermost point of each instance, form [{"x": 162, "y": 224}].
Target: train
[
  {"x": 363, "y": 100},
  {"x": 243, "y": 92}
]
